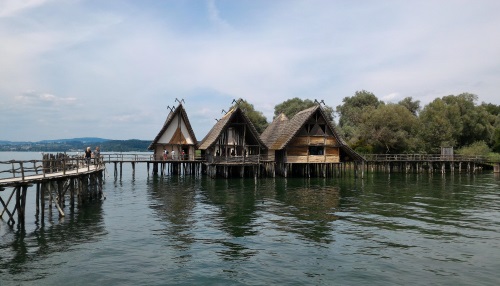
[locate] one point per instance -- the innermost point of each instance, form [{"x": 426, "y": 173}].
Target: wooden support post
[
  {"x": 37, "y": 199},
  {"x": 42, "y": 202},
  {"x": 6, "y": 209}
]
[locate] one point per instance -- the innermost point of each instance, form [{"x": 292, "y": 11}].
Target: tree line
[{"x": 370, "y": 125}]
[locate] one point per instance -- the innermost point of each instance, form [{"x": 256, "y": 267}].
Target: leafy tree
[
  {"x": 440, "y": 125},
  {"x": 295, "y": 105},
  {"x": 390, "y": 128},
  {"x": 476, "y": 122},
  {"x": 477, "y": 148},
  {"x": 496, "y": 135},
  {"x": 351, "y": 114},
  {"x": 491, "y": 108},
  {"x": 412, "y": 106},
  {"x": 455, "y": 121},
  {"x": 256, "y": 117}
]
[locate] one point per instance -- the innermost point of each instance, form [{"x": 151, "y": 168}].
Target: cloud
[
  {"x": 127, "y": 62},
  {"x": 10, "y": 8},
  {"x": 36, "y": 98}
]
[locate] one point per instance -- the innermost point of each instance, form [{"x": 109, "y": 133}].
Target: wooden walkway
[
  {"x": 426, "y": 162},
  {"x": 32, "y": 179},
  {"x": 56, "y": 177}
]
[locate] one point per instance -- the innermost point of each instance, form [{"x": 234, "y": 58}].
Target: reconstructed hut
[
  {"x": 233, "y": 146},
  {"x": 307, "y": 145},
  {"x": 176, "y": 136}
]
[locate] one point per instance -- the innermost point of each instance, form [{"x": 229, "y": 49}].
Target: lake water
[{"x": 397, "y": 229}]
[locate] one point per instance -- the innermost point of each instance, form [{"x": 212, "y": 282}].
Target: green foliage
[
  {"x": 256, "y": 117},
  {"x": 496, "y": 140},
  {"x": 412, "y": 106},
  {"x": 390, "y": 128},
  {"x": 295, "y": 105},
  {"x": 479, "y": 148},
  {"x": 491, "y": 108},
  {"x": 440, "y": 125},
  {"x": 493, "y": 157},
  {"x": 351, "y": 114},
  {"x": 475, "y": 121},
  {"x": 455, "y": 121}
]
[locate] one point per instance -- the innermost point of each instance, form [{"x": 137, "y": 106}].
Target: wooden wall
[{"x": 298, "y": 150}]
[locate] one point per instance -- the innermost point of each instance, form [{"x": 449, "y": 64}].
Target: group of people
[
  {"x": 89, "y": 154},
  {"x": 165, "y": 155}
]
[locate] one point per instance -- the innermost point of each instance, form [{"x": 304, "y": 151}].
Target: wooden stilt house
[
  {"x": 307, "y": 145},
  {"x": 233, "y": 146},
  {"x": 176, "y": 136}
]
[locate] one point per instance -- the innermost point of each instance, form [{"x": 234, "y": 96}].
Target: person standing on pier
[
  {"x": 173, "y": 154},
  {"x": 97, "y": 155},
  {"x": 88, "y": 155}
]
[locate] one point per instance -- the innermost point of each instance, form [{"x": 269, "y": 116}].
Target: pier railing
[
  {"x": 130, "y": 157},
  {"x": 48, "y": 165},
  {"x": 422, "y": 158}
]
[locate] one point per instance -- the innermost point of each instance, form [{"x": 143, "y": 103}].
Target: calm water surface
[{"x": 151, "y": 230}]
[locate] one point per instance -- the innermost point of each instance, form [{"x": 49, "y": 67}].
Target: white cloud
[
  {"x": 128, "y": 62},
  {"x": 11, "y": 7}
]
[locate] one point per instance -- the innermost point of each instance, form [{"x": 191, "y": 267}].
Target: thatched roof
[
  {"x": 273, "y": 131},
  {"x": 223, "y": 123},
  {"x": 182, "y": 112},
  {"x": 281, "y": 131}
]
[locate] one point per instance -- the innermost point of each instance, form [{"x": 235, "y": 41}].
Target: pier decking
[
  {"x": 53, "y": 177},
  {"x": 57, "y": 176},
  {"x": 419, "y": 163}
]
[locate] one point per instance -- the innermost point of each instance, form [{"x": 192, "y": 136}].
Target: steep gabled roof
[
  {"x": 274, "y": 130},
  {"x": 223, "y": 123},
  {"x": 181, "y": 112},
  {"x": 283, "y": 132}
]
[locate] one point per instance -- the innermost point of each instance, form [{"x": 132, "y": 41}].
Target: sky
[{"x": 112, "y": 69}]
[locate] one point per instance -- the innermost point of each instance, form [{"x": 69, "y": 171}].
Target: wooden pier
[
  {"x": 171, "y": 166},
  {"x": 56, "y": 178},
  {"x": 431, "y": 163}
]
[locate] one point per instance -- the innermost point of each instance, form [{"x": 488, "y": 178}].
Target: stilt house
[
  {"x": 232, "y": 143},
  {"x": 176, "y": 136},
  {"x": 306, "y": 145}
]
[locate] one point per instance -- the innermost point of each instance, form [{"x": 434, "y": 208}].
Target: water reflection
[
  {"x": 236, "y": 203},
  {"x": 20, "y": 249},
  {"x": 174, "y": 201},
  {"x": 294, "y": 206},
  {"x": 307, "y": 208}
]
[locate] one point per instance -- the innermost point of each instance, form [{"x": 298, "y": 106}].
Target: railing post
[
  {"x": 13, "y": 169},
  {"x": 22, "y": 170},
  {"x": 64, "y": 164}
]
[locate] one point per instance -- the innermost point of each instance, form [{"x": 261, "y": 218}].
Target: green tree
[
  {"x": 256, "y": 117},
  {"x": 440, "y": 125},
  {"x": 412, "y": 106},
  {"x": 456, "y": 121},
  {"x": 293, "y": 106},
  {"x": 496, "y": 135},
  {"x": 491, "y": 108},
  {"x": 351, "y": 113},
  {"x": 390, "y": 128},
  {"x": 476, "y": 123},
  {"x": 478, "y": 148}
]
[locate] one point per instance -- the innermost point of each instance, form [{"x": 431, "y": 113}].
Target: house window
[{"x": 316, "y": 150}]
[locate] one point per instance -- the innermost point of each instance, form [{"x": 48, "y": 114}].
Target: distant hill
[
  {"x": 83, "y": 140},
  {"x": 77, "y": 144}
]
